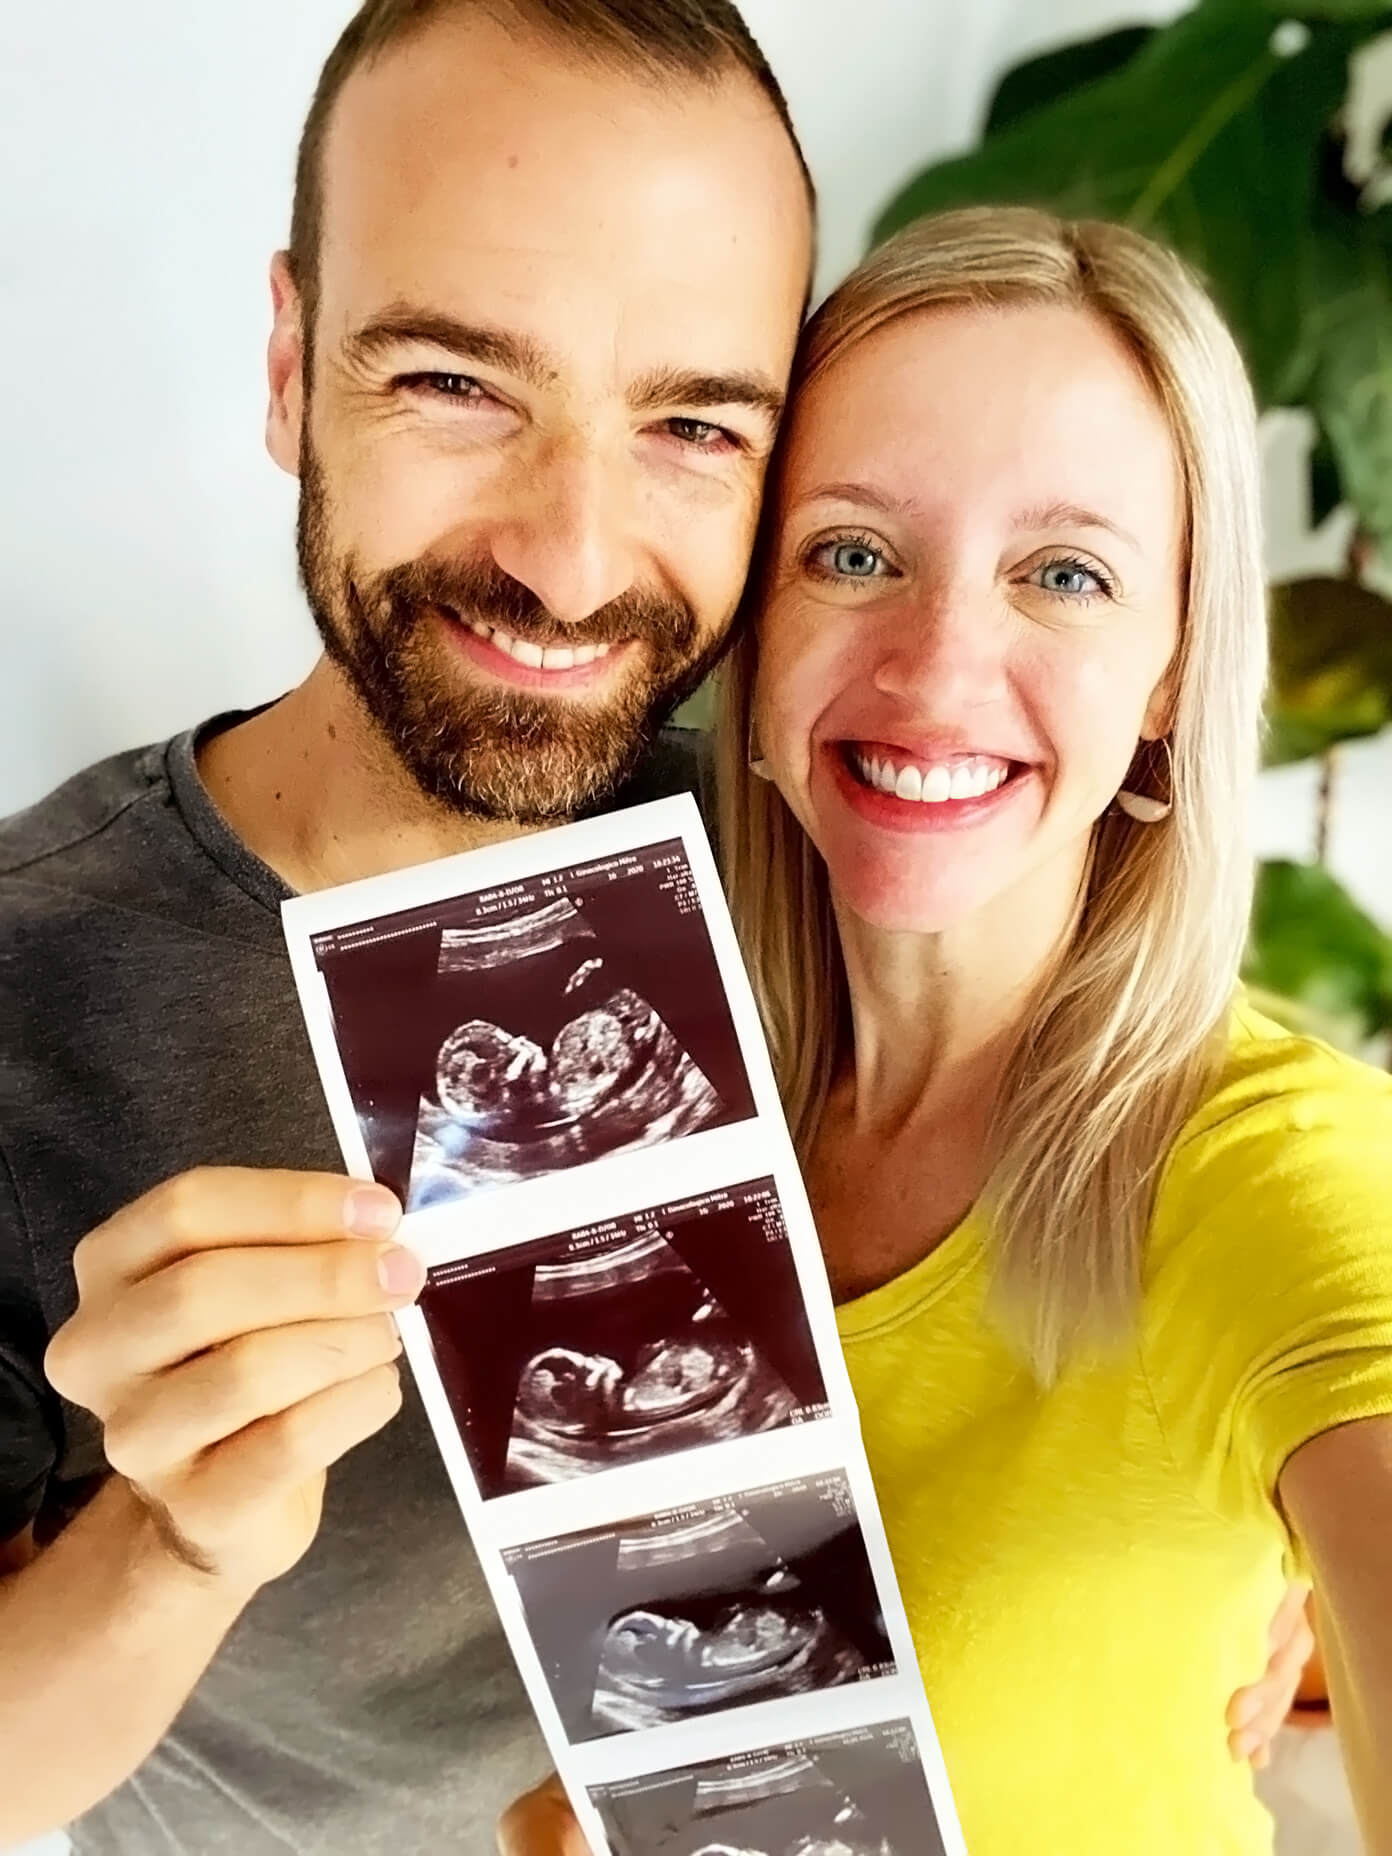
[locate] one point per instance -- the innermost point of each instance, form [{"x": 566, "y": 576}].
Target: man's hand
[
  {"x": 233, "y": 1336},
  {"x": 541, "y": 1824},
  {"x": 1256, "y": 1714}
]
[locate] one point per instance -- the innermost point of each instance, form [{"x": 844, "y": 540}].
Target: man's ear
[{"x": 285, "y": 368}]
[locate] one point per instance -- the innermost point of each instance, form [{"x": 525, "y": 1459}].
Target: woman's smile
[{"x": 899, "y": 790}]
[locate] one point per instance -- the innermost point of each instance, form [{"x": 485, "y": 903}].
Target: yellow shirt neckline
[{"x": 880, "y": 1310}]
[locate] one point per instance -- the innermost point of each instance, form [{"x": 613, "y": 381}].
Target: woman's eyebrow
[
  {"x": 1073, "y": 515},
  {"x": 865, "y": 493}
]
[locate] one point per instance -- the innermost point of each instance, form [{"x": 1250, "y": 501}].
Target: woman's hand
[
  {"x": 1255, "y": 1714},
  {"x": 541, "y": 1823}
]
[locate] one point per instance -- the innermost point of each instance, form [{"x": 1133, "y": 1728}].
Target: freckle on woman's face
[{"x": 975, "y": 599}]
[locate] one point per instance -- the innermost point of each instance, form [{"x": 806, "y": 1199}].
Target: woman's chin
[{"x": 900, "y": 903}]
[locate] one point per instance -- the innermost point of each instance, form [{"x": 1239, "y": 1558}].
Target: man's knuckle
[
  {"x": 62, "y": 1362},
  {"x": 347, "y": 1276},
  {"x": 126, "y": 1445},
  {"x": 181, "y": 1203}
]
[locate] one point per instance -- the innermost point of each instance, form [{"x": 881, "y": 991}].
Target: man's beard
[{"x": 481, "y": 749}]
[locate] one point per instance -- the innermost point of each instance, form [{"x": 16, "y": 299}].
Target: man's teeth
[
  {"x": 535, "y": 656},
  {"x": 930, "y": 785}
]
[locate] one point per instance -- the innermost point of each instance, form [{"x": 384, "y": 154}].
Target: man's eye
[
  {"x": 1070, "y": 579},
  {"x": 702, "y": 435},
  {"x": 446, "y": 386},
  {"x": 848, "y": 560}
]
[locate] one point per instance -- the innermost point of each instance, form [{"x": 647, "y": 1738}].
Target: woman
[{"x": 1113, "y": 1253}]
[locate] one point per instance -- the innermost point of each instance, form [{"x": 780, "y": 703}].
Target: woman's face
[{"x": 973, "y": 602}]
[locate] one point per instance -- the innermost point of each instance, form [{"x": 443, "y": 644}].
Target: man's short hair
[{"x": 700, "y": 41}]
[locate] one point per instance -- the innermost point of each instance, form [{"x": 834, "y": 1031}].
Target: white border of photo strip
[{"x": 590, "y": 1193}]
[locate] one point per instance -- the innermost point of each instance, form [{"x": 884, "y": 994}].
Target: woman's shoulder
[
  {"x": 1286, "y": 1082},
  {"x": 1287, "y": 1125},
  {"x": 1268, "y": 1272}
]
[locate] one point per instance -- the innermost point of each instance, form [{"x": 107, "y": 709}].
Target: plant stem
[{"x": 1324, "y": 803}]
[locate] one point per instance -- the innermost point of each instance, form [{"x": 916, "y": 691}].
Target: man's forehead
[{"x": 548, "y": 176}]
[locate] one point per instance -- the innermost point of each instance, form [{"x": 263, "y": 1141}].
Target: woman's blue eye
[
  {"x": 1070, "y": 579},
  {"x": 849, "y": 560}
]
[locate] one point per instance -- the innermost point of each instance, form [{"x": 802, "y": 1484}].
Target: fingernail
[
  {"x": 400, "y": 1271},
  {"x": 371, "y": 1212}
]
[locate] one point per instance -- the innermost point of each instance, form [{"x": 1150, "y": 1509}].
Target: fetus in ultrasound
[
  {"x": 701, "y": 1649},
  {"x": 547, "y": 1060},
  {"x": 637, "y": 1358}
]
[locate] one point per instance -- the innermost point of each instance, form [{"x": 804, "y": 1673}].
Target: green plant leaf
[
  {"x": 1331, "y": 666},
  {"x": 1326, "y": 486},
  {"x": 1348, "y": 345},
  {"x": 1038, "y": 81},
  {"x": 1311, "y": 943},
  {"x": 1308, "y": 10},
  {"x": 1206, "y": 137}
]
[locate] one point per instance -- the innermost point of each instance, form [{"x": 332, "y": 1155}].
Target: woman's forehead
[{"x": 1030, "y": 404}]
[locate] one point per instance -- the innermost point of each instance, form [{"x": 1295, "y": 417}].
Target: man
[{"x": 547, "y": 264}]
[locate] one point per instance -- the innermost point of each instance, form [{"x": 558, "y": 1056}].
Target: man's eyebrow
[
  {"x": 671, "y": 386},
  {"x": 403, "y": 325},
  {"x": 1073, "y": 515}
]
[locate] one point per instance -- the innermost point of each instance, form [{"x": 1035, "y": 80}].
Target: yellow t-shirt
[{"x": 1090, "y": 1571}]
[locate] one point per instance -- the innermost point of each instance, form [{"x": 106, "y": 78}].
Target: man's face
[{"x": 557, "y": 312}]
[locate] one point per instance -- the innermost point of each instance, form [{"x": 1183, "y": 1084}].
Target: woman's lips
[{"x": 892, "y": 788}]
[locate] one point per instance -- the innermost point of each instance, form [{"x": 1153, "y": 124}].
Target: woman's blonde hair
[{"x": 1123, "y": 1037}]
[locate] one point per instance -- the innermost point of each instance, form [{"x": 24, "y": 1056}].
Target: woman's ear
[{"x": 1159, "y": 716}]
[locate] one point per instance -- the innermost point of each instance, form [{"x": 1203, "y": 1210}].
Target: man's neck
[{"x": 312, "y": 791}]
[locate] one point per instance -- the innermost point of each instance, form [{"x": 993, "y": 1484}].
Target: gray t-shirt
[{"x": 148, "y": 1023}]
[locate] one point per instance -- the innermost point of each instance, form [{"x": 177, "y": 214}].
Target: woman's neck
[
  {"x": 936, "y": 1017},
  {"x": 901, "y": 1153}
]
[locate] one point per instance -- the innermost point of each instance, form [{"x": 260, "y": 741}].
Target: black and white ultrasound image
[
  {"x": 861, "y": 1793},
  {"x": 623, "y": 1341},
  {"x": 514, "y": 1033},
  {"x": 738, "y": 1600}
]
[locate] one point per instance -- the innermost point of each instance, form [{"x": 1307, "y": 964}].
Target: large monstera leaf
[
  {"x": 1207, "y": 136},
  {"x": 1312, "y": 946},
  {"x": 1331, "y": 667},
  {"x": 1348, "y": 347}
]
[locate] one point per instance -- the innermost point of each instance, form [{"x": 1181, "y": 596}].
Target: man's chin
[{"x": 520, "y": 788}]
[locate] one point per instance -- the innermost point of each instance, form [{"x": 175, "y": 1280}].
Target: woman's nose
[{"x": 952, "y": 646}]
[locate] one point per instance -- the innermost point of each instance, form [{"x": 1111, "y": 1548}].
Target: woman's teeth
[
  {"x": 535, "y": 656},
  {"x": 934, "y": 783}
]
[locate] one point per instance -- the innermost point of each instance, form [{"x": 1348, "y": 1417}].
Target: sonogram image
[
  {"x": 860, "y": 1793},
  {"x": 503, "y": 1036},
  {"x": 553, "y": 1060},
  {"x": 742, "y": 1599},
  {"x": 624, "y": 1341}
]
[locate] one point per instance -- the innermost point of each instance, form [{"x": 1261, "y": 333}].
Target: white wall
[{"x": 146, "y": 559}]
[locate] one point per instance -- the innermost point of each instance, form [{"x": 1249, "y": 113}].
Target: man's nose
[{"x": 567, "y": 533}]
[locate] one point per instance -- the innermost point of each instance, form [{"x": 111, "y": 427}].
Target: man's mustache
[{"x": 481, "y": 590}]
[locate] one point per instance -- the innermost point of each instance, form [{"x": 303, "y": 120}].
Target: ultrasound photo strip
[
  {"x": 750, "y": 1597},
  {"x": 860, "y": 1793},
  {"x": 671, "y": 1329},
  {"x": 626, "y": 1347}
]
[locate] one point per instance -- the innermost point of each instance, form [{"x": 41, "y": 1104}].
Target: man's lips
[{"x": 527, "y": 665}]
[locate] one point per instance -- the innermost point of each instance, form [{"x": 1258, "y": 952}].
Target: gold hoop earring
[{"x": 1141, "y": 806}]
